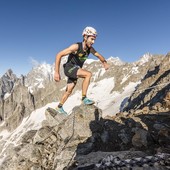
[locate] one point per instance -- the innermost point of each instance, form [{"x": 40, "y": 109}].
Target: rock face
[
  {"x": 153, "y": 90},
  {"x": 17, "y": 106},
  {"x": 7, "y": 82},
  {"x": 84, "y": 137},
  {"x": 56, "y": 143}
]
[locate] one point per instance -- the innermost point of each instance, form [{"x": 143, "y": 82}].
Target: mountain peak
[
  {"x": 115, "y": 60},
  {"x": 7, "y": 82},
  {"x": 145, "y": 58}
]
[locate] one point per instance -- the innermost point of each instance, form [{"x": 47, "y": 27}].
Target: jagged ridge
[{"x": 130, "y": 130}]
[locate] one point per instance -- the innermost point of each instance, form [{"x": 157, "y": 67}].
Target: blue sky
[{"x": 36, "y": 30}]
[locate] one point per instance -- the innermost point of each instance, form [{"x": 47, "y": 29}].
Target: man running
[{"x": 77, "y": 54}]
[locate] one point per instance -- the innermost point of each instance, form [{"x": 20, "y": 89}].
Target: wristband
[{"x": 104, "y": 61}]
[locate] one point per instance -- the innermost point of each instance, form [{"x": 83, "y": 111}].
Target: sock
[
  {"x": 60, "y": 105},
  {"x": 83, "y": 97}
]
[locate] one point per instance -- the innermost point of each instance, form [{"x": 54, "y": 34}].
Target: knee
[
  {"x": 68, "y": 91},
  {"x": 89, "y": 74}
]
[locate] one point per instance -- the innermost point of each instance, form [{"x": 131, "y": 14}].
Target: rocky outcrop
[
  {"x": 55, "y": 144},
  {"x": 153, "y": 88},
  {"x": 17, "y": 106},
  {"x": 84, "y": 138},
  {"x": 7, "y": 82}
]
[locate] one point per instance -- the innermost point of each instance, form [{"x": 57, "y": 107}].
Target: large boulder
[{"x": 55, "y": 144}]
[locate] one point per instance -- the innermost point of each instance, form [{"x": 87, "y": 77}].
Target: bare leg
[
  {"x": 87, "y": 76},
  {"x": 67, "y": 93}
]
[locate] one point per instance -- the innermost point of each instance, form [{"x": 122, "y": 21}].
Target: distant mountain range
[
  {"x": 125, "y": 89},
  {"x": 107, "y": 88}
]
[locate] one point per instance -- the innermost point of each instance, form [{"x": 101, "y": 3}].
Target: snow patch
[
  {"x": 99, "y": 73},
  {"x": 145, "y": 58},
  {"x": 7, "y": 95},
  {"x": 89, "y": 61},
  {"x": 135, "y": 70},
  {"x": 102, "y": 89},
  {"x": 124, "y": 79},
  {"x": 114, "y": 103},
  {"x": 115, "y": 60}
]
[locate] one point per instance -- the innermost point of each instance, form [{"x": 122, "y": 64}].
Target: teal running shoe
[
  {"x": 61, "y": 111},
  {"x": 87, "y": 101}
]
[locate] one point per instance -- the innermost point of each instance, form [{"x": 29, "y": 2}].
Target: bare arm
[
  {"x": 100, "y": 57},
  {"x": 67, "y": 51}
]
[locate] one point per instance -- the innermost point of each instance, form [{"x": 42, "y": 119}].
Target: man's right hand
[{"x": 57, "y": 76}]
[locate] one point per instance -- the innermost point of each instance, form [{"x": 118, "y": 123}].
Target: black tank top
[{"x": 80, "y": 57}]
